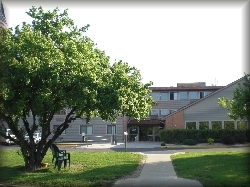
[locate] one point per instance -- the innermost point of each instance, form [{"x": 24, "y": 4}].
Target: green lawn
[
  {"x": 87, "y": 169},
  {"x": 216, "y": 169}
]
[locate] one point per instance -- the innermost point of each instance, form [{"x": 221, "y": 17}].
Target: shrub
[
  {"x": 166, "y": 135},
  {"x": 227, "y": 139},
  {"x": 240, "y": 139},
  {"x": 210, "y": 141},
  {"x": 189, "y": 142},
  {"x": 177, "y": 142}
]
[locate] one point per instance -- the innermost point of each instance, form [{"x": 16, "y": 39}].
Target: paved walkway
[{"x": 158, "y": 170}]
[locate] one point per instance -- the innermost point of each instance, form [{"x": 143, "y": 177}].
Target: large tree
[
  {"x": 239, "y": 106},
  {"x": 51, "y": 64}
]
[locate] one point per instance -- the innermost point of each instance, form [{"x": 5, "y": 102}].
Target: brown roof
[{"x": 193, "y": 103}]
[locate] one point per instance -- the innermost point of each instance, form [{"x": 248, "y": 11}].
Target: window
[
  {"x": 111, "y": 129},
  {"x": 190, "y": 125},
  {"x": 154, "y": 95},
  {"x": 87, "y": 129},
  {"x": 164, "y": 112},
  {"x": 183, "y": 96},
  {"x": 228, "y": 124},
  {"x": 172, "y": 111},
  {"x": 216, "y": 124},
  {"x": 55, "y": 128},
  {"x": 204, "y": 94},
  {"x": 163, "y": 96},
  {"x": 241, "y": 125},
  {"x": 193, "y": 95},
  {"x": 173, "y": 95},
  {"x": 155, "y": 112},
  {"x": 203, "y": 125}
]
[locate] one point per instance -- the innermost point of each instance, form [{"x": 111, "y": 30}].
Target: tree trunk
[{"x": 32, "y": 158}]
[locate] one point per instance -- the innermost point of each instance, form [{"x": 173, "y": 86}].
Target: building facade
[
  {"x": 205, "y": 113},
  {"x": 168, "y": 100},
  {"x": 188, "y": 105}
]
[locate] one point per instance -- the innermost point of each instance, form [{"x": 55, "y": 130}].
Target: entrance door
[{"x": 145, "y": 133}]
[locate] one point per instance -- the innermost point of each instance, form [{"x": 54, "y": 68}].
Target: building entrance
[{"x": 145, "y": 133}]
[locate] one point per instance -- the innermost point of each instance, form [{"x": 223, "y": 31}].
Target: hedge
[{"x": 180, "y": 135}]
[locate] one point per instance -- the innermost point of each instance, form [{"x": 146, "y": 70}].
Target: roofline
[{"x": 199, "y": 100}]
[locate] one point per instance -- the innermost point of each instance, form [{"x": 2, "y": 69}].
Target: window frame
[
  {"x": 166, "y": 94},
  {"x": 186, "y": 95},
  {"x": 215, "y": 124},
  {"x": 226, "y": 124},
  {"x": 168, "y": 112},
  {"x": 193, "y": 92},
  {"x": 174, "y": 92},
  {"x": 154, "y": 114},
  {"x": 107, "y": 127},
  {"x": 190, "y": 122},
  {"x": 86, "y": 129},
  {"x": 157, "y": 96},
  {"x": 201, "y": 124}
]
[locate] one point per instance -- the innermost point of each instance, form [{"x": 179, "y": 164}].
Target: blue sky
[{"x": 169, "y": 43}]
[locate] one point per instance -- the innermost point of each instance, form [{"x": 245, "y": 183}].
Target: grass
[
  {"x": 87, "y": 169},
  {"x": 217, "y": 169}
]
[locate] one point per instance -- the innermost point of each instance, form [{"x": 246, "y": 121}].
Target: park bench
[{"x": 59, "y": 156}]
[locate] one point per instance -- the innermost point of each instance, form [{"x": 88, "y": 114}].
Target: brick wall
[{"x": 175, "y": 121}]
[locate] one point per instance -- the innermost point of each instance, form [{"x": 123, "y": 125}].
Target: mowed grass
[
  {"x": 216, "y": 169},
  {"x": 87, "y": 169}
]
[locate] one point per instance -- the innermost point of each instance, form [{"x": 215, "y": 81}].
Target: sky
[{"x": 169, "y": 42}]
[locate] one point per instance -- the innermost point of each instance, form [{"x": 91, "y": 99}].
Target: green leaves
[
  {"x": 239, "y": 106},
  {"x": 50, "y": 64}
]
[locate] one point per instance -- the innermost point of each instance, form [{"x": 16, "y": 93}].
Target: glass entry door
[
  {"x": 145, "y": 133},
  {"x": 133, "y": 133}
]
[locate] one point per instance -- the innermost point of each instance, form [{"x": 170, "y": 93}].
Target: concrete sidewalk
[
  {"x": 120, "y": 145},
  {"x": 158, "y": 171}
]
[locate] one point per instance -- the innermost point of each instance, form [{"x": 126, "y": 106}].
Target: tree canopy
[
  {"x": 51, "y": 64},
  {"x": 239, "y": 106}
]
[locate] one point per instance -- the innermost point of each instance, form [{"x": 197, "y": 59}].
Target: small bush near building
[
  {"x": 189, "y": 142},
  {"x": 210, "y": 141},
  {"x": 163, "y": 144}
]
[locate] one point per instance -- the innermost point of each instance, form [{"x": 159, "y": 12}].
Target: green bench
[{"x": 60, "y": 156}]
